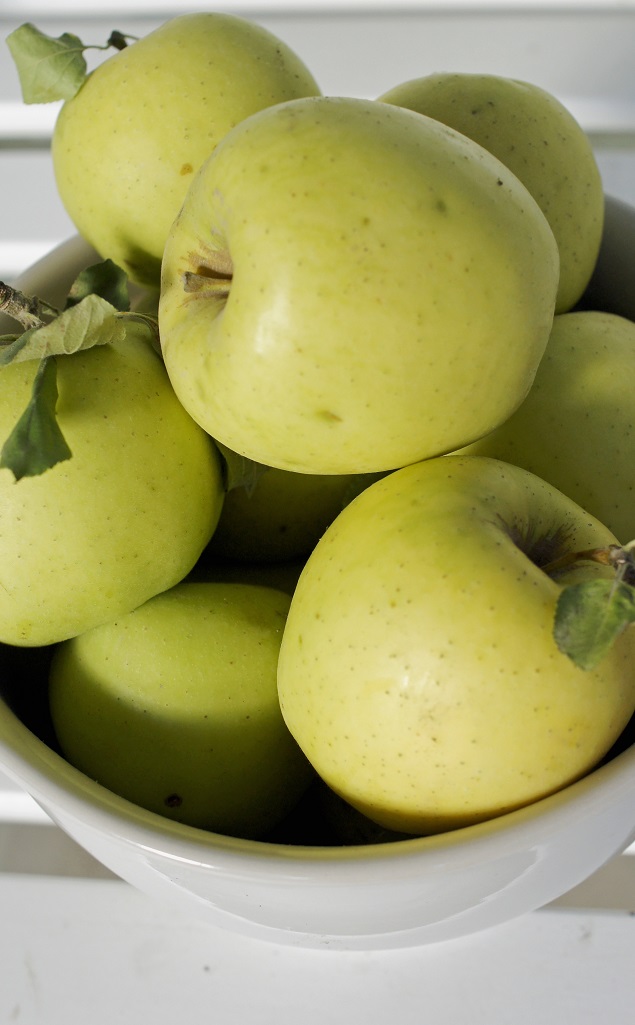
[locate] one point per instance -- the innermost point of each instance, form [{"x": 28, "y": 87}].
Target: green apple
[
  {"x": 174, "y": 707},
  {"x": 282, "y": 516},
  {"x": 575, "y": 428},
  {"x": 540, "y": 140},
  {"x": 418, "y": 669},
  {"x": 350, "y": 287},
  {"x": 126, "y": 145},
  {"x": 125, "y": 517}
]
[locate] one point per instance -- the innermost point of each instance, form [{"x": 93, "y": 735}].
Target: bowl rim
[{"x": 56, "y": 784}]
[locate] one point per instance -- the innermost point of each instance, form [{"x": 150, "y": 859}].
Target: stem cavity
[{"x": 212, "y": 277}]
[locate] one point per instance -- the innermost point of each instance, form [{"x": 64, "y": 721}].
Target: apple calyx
[
  {"x": 591, "y": 615},
  {"x": 96, "y": 313},
  {"x": 212, "y": 277},
  {"x": 52, "y": 68}
]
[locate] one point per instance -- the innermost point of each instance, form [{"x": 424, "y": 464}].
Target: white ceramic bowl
[{"x": 381, "y": 895}]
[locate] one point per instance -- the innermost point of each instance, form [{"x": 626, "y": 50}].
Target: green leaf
[
  {"x": 93, "y": 321},
  {"x": 590, "y": 616},
  {"x": 36, "y": 443},
  {"x": 49, "y": 68},
  {"x": 239, "y": 471},
  {"x": 11, "y": 346},
  {"x": 104, "y": 279}
]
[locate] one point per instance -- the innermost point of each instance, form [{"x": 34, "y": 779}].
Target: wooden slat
[{"x": 582, "y": 55}]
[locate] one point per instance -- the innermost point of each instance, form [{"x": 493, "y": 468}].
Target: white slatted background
[{"x": 581, "y": 51}]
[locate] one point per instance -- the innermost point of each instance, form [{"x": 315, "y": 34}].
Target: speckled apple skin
[
  {"x": 540, "y": 140},
  {"x": 174, "y": 706},
  {"x": 126, "y": 145},
  {"x": 418, "y": 669},
  {"x": 576, "y": 427},
  {"x": 125, "y": 517},
  {"x": 392, "y": 294}
]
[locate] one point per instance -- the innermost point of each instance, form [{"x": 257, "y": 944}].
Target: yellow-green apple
[
  {"x": 174, "y": 707},
  {"x": 419, "y": 671},
  {"x": 540, "y": 140},
  {"x": 126, "y": 145},
  {"x": 350, "y": 286},
  {"x": 575, "y": 428},
  {"x": 282, "y": 516},
  {"x": 125, "y": 517}
]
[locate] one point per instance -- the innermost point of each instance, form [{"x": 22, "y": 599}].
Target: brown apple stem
[
  {"x": 213, "y": 275},
  {"x": 28, "y": 310},
  {"x": 611, "y": 555}
]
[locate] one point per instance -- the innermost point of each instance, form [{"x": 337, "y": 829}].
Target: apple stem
[
  {"x": 206, "y": 286},
  {"x": 118, "y": 40},
  {"x": 212, "y": 276},
  {"x": 618, "y": 557},
  {"x": 29, "y": 311}
]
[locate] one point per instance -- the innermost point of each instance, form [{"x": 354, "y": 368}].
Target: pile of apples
[{"x": 303, "y": 515}]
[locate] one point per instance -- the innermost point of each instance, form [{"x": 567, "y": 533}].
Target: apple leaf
[
  {"x": 239, "y": 471},
  {"x": 105, "y": 279},
  {"x": 49, "y": 68},
  {"x": 93, "y": 321},
  {"x": 590, "y": 616},
  {"x": 96, "y": 313},
  {"x": 36, "y": 443}
]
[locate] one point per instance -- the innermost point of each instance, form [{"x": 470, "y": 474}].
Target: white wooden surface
[
  {"x": 99, "y": 953},
  {"x": 77, "y": 945}
]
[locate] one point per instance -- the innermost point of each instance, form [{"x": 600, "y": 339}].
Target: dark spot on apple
[
  {"x": 186, "y": 169},
  {"x": 328, "y": 415},
  {"x": 173, "y": 801}
]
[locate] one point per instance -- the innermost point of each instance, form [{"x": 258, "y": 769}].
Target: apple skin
[
  {"x": 418, "y": 670},
  {"x": 126, "y": 145},
  {"x": 174, "y": 707},
  {"x": 575, "y": 428},
  {"x": 125, "y": 517},
  {"x": 538, "y": 138},
  {"x": 393, "y": 288},
  {"x": 282, "y": 517}
]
